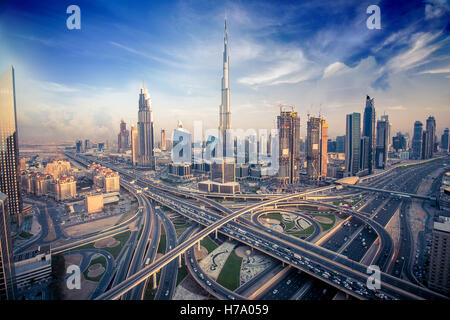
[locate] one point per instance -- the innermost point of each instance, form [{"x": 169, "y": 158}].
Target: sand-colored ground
[
  {"x": 73, "y": 259},
  {"x": 268, "y": 220},
  {"x": 95, "y": 270},
  {"x": 51, "y": 229},
  {"x": 321, "y": 219},
  {"x": 417, "y": 215},
  {"x": 200, "y": 254},
  {"x": 213, "y": 263},
  {"x": 393, "y": 228},
  {"x": 87, "y": 287},
  {"x": 106, "y": 243},
  {"x": 189, "y": 289},
  {"x": 90, "y": 227}
]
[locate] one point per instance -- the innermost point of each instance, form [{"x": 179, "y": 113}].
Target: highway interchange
[{"x": 318, "y": 271}]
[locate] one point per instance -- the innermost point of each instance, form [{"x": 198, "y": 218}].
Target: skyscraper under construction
[
  {"x": 289, "y": 157},
  {"x": 316, "y": 148}
]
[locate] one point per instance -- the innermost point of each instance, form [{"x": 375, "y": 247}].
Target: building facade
[
  {"x": 134, "y": 145},
  {"x": 9, "y": 146},
  {"x": 316, "y": 148},
  {"x": 288, "y": 123},
  {"x": 163, "y": 140},
  {"x": 439, "y": 268},
  {"x": 431, "y": 128},
  {"x": 417, "y": 141},
  {"x": 381, "y": 153},
  {"x": 224, "y": 109},
  {"x": 7, "y": 287},
  {"x": 145, "y": 129},
  {"x": 444, "y": 140},
  {"x": 65, "y": 188},
  {"x": 353, "y": 144},
  {"x": 123, "y": 138},
  {"x": 369, "y": 131}
]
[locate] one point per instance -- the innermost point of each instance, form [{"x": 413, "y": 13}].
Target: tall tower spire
[{"x": 225, "y": 114}]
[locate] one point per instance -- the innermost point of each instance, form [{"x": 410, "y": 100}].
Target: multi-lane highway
[{"x": 333, "y": 268}]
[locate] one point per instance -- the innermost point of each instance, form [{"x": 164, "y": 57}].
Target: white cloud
[
  {"x": 436, "y": 8},
  {"x": 421, "y": 48},
  {"x": 434, "y": 71},
  {"x": 281, "y": 65},
  {"x": 55, "y": 87},
  {"x": 335, "y": 69}
]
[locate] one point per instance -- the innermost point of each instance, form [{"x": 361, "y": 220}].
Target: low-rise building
[
  {"x": 65, "y": 188},
  {"x": 217, "y": 187},
  {"x": 94, "y": 203},
  {"x": 104, "y": 178},
  {"x": 183, "y": 170},
  {"x": 32, "y": 267}
]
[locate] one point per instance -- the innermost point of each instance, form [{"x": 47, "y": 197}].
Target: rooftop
[{"x": 443, "y": 224}]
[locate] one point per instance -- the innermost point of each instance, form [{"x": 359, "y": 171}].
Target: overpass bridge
[
  {"x": 392, "y": 192},
  {"x": 320, "y": 257}
]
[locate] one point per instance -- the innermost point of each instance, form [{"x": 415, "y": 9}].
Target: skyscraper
[
  {"x": 353, "y": 143},
  {"x": 163, "y": 140},
  {"x": 426, "y": 145},
  {"x": 6, "y": 263},
  {"x": 417, "y": 141},
  {"x": 289, "y": 156},
  {"x": 444, "y": 141},
  {"x": 79, "y": 146},
  {"x": 369, "y": 131},
  {"x": 134, "y": 145},
  {"x": 123, "y": 138},
  {"x": 145, "y": 129},
  {"x": 225, "y": 113},
  {"x": 382, "y": 143},
  {"x": 87, "y": 145},
  {"x": 439, "y": 268},
  {"x": 431, "y": 128},
  {"x": 9, "y": 145},
  {"x": 316, "y": 148},
  {"x": 340, "y": 144},
  {"x": 364, "y": 154},
  {"x": 399, "y": 142}
]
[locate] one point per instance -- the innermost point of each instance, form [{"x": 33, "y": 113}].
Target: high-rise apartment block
[
  {"x": 369, "y": 131},
  {"x": 7, "y": 287},
  {"x": 353, "y": 144},
  {"x": 134, "y": 145},
  {"x": 145, "y": 129},
  {"x": 417, "y": 140},
  {"x": 382, "y": 143},
  {"x": 316, "y": 148},
  {"x": 288, "y": 123},
  {"x": 123, "y": 138},
  {"x": 9, "y": 146},
  {"x": 444, "y": 141},
  {"x": 439, "y": 268}
]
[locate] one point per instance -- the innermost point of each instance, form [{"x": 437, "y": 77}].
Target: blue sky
[{"x": 316, "y": 55}]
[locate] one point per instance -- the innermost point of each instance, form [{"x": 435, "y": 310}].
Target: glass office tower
[{"x": 9, "y": 146}]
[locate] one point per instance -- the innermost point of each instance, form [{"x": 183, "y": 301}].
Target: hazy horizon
[{"x": 79, "y": 84}]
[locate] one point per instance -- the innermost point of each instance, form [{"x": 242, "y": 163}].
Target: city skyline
[
  {"x": 236, "y": 150},
  {"x": 271, "y": 62}
]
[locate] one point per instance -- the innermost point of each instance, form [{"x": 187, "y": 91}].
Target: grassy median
[{"x": 230, "y": 274}]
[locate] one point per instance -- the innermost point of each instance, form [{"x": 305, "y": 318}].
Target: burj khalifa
[{"x": 225, "y": 114}]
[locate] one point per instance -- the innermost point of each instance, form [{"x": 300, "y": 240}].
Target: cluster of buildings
[
  {"x": 57, "y": 181},
  {"x": 424, "y": 142},
  {"x": 104, "y": 178},
  {"x": 366, "y": 148}
]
